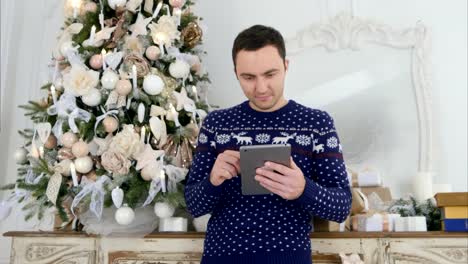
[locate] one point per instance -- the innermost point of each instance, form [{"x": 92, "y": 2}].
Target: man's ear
[{"x": 286, "y": 64}]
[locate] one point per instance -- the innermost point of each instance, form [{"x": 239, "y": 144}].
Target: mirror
[{"x": 365, "y": 76}]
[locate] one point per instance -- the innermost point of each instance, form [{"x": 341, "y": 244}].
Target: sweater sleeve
[
  {"x": 201, "y": 195},
  {"x": 327, "y": 193}
]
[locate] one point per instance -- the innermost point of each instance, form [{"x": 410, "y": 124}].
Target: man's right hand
[{"x": 227, "y": 165}]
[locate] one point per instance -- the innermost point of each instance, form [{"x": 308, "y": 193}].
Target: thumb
[{"x": 293, "y": 164}]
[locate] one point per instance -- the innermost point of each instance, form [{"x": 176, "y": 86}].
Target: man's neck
[{"x": 281, "y": 102}]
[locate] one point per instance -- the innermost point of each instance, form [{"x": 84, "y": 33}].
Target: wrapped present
[
  {"x": 321, "y": 225},
  {"x": 383, "y": 192},
  {"x": 455, "y": 225},
  {"x": 173, "y": 224},
  {"x": 454, "y": 212},
  {"x": 359, "y": 203},
  {"x": 452, "y": 199},
  {"x": 410, "y": 224},
  {"x": 374, "y": 222},
  {"x": 368, "y": 177}
]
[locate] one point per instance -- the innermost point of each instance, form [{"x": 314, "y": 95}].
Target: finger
[
  {"x": 273, "y": 190},
  {"x": 231, "y": 169},
  {"x": 231, "y": 160},
  {"x": 272, "y": 175},
  {"x": 226, "y": 174},
  {"x": 269, "y": 182},
  {"x": 233, "y": 153},
  {"x": 279, "y": 168}
]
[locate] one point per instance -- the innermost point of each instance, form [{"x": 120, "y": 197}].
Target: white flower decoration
[
  {"x": 165, "y": 31},
  {"x": 80, "y": 81},
  {"x": 332, "y": 142},
  {"x": 127, "y": 142}
]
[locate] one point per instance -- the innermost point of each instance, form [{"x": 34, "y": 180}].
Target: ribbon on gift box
[{"x": 360, "y": 204}]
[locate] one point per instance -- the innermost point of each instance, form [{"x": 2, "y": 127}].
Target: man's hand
[
  {"x": 289, "y": 183},
  {"x": 227, "y": 165}
]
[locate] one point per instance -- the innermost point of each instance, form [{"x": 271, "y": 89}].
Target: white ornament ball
[
  {"x": 68, "y": 139},
  {"x": 110, "y": 124},
  {"x": 149, "y": 172},
  {"x": 84, "y": 164},
  {"x": 80, "y": 149},
  {"x": 179, "y": 69},
  {"x": 152, "y": 84},
  {"x": 21, "y": 155},
  {"x": 109, "y": 79},
  {"x": 92, "y": 98},
  {"x": 123, "y": 87},
  {"x": 124, "y": 215},
  {"x": 64, "y": 167},
  {"x": 201, "y": 223},
  {"x": 153, "y": 52},
  {"x": 116, "y": 3},
  {"x": 163, "y": 210}
]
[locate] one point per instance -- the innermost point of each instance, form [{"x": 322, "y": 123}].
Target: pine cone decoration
[{"x": 191, "y": 35}]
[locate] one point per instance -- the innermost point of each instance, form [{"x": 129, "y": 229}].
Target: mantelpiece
[{"x": 186, "y": 248}]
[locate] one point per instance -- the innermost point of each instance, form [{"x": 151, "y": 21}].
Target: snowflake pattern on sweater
[{"x": 249, "y": 225}]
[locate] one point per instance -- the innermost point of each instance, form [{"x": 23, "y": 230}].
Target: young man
[{"x": 265, "y": 228}]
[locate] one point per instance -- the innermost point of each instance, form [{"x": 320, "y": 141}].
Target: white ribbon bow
[
  {"x": 174, "y": 176},
  {"x": 66, "y": 108},
  {"x": 96, "y": 189}
]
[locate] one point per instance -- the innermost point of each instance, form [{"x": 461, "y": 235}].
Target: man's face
[{"x": 261, "y": 74}]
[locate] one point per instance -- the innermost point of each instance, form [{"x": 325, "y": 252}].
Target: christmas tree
[{"x": 122, "y": 111}]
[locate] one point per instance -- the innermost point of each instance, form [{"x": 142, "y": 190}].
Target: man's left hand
[{"x": 289, "y": 183}]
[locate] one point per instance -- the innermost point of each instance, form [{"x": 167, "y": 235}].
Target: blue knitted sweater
[{"x": 267, "y": 228}]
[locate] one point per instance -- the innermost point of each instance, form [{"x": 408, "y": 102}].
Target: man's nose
[{"x": 261, "y": 85}]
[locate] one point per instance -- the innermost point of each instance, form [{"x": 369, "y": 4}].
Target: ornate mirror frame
[{"x": 348, "y": 32}]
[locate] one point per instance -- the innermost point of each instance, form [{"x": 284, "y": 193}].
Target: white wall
[
  {"x": 29, "y": 30},
  {"x": 446, "y": 19}
]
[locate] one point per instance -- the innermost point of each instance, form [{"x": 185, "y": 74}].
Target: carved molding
[
  {"x": 348, "y": 32},
  {"x": 154, "y": 257},
  {"x": 452, "y": 254},
  {"x": 36, "y": 252},
  {"x": 57, "y": 253}
]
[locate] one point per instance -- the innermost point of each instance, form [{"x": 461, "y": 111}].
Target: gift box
[
  {"x": 455, "y": 225},
  {"x": 452, "y": 199},
  {"x": 173, "y": 224},
  {"x": 454, "y": 212},
  {"x": 410, "y": 224},
  {"x": 321, "y": 225},
  {"x": 374, "y": 222},
  {"x": 367, "y": 177},
  {"x": 383, "y": 192},
  {"x": 359, "y": 202}
]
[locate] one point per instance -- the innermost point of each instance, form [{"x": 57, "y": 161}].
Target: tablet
[{"x": 253, "y": 157}]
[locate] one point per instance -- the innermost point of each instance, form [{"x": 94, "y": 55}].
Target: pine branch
[
  {"x": 9, "y": 186},
  {"x": 35, "y": 111}
]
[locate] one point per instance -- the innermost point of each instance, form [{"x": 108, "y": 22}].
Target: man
[{"x": 265, "y": 228}]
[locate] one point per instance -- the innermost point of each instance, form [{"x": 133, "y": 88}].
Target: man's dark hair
[{"x": 257, "y": 37}]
